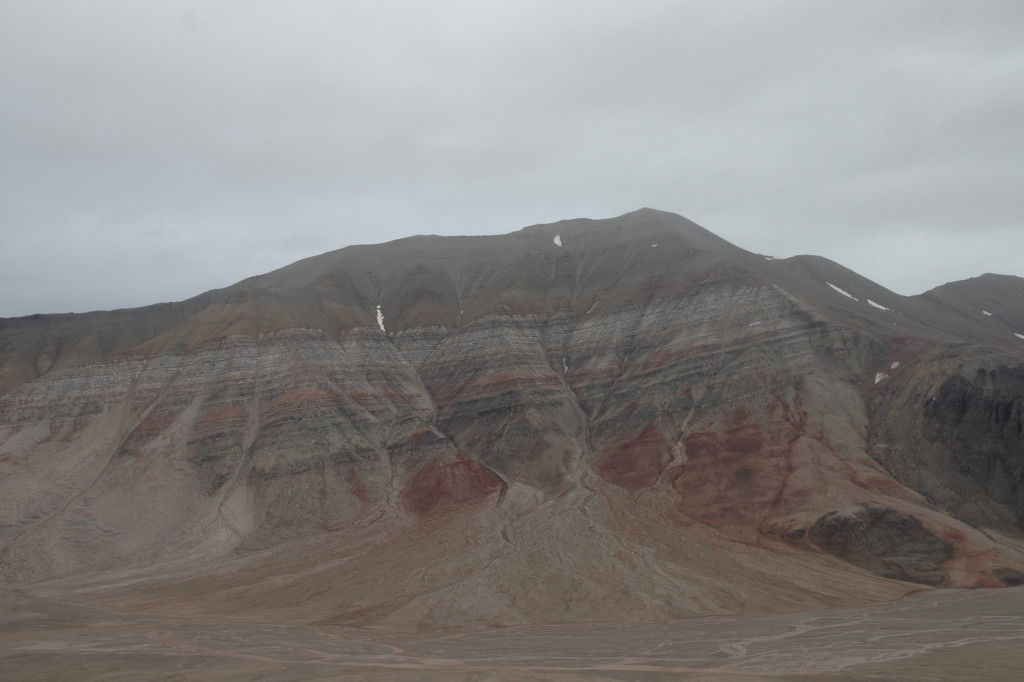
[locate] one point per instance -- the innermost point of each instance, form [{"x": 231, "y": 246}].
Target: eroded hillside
[{"x": 592, "y": 420}]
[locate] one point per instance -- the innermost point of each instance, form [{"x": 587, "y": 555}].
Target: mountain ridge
[
  {"x": 165, "y": 315},
  {"x": 618, "y": 419}
]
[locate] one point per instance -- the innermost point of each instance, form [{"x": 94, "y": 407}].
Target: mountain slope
[{"x": 619, "y": 419}]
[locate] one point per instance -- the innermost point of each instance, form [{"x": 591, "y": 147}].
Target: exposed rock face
[
  {"x": 634, "y": 420},
  {"x": 884, "y": 541},
  {"x": 952, "y": 427}
]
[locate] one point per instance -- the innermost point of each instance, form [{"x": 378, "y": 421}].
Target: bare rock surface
[
  {"x": 884, "y": 541},
  {"x": 622, "y": 420}
]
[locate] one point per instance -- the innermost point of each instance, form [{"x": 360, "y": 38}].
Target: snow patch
[
  {"x": 558, "y": 240},
  {"x": 844, "y": 293},
  {"x": 880, "y": 375},
  {"x": 895, "y": 364},
  {"x": 380, "y": 320},
  {"x": 878, "y": 305},
  {"x": 985, "y": 312},
  {"x": 653, "y": 245},
  {"x": 1019, "y": 336}
]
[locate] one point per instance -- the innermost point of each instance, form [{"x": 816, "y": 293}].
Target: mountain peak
[{"x": 623, "y": 419}]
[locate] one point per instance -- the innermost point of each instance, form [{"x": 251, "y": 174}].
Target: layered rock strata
[{"x": 622, "y": 419}]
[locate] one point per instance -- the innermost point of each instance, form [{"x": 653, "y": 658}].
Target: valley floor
[{"x": 937, "y": 635}]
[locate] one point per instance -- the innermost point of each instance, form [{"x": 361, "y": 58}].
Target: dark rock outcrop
[{"x": 885, "y": 541}]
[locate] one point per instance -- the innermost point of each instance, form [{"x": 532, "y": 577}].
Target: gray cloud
[{"x": 150, "y": 151}]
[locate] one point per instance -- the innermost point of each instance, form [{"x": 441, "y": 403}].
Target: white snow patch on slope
[
  {"x": 844, "y": 293},
  {"x": 1019, "y": 336},
  {"x": 880, "y": 375},
  {"x": 653, "y": 245},
  {"x": 895, "y": 364},
  {"x": 380, "y": 320},
  {"x": 878, "y": 305},
  {"x": 985, "y": 312},
  {"x": 558, "y": 240}
]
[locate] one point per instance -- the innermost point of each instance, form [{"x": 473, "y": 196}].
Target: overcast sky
[{"x": 150, "y": 151}]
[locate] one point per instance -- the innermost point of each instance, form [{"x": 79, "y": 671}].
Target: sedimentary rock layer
[{"x": 626, "y": 419}]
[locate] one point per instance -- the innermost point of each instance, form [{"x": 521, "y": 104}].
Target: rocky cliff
[{"x": 615, "y": 419}]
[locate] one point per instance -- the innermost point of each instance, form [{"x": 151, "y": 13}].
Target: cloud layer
[{"x": 151, "y": 151}]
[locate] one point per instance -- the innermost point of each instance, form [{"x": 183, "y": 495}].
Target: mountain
[{"x": 624, "y": 419}]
